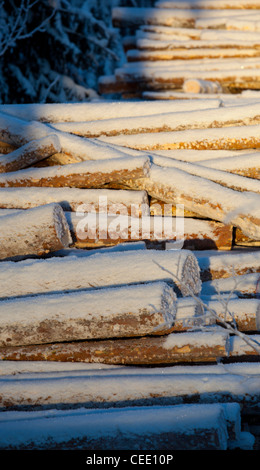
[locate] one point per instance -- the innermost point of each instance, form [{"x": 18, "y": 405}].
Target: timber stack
[{"x": 130, "y": 248}]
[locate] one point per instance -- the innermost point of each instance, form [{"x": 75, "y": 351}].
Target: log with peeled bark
[
  {"x": 244, "y": 165},
  {"x": 224, "y": 138},
  {"x": 100, "y": 229},
  {"x": 206, "y": 346},
  {"x": 201, "y": 86},
  {"x": 63, "y": 112},
  {"x": 210, "y": 4},
  {"x": 29, "y": 154},
  {"x": 135, "y": 16},
  {"x": 34, "y": 232},
  {"x": 177, "y": 267},
  {"x": 204, "y": 197},
  {"x": 134, "y": 203},
  {"x": 223, "y": 265},
  {"x": 189, "y": 426},
  {"x": 17, "y": 132},
  {"x": 239, "y": 348},
  {"x": 241, "y": 240},
  {"x": 136, "y": 55},
  {"x": 244, "y": 286},
  {"x": 206, "y": 41},
  {"x": 166, "y": 121},
  {"x": 224, "y": 178},
  {"x": 190, "y": 314},
  {"x": 244, "y": 313},
  {"x": 138, "y": 310},
  {"x": 87, "y": 174},
  {"x": 161, "y": 208}
]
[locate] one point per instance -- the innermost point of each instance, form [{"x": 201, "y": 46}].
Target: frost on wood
[
  {"x": 34, "y": 232},
  {"x": 178, "y": 267},
  {"x": 139, "y": 310}
]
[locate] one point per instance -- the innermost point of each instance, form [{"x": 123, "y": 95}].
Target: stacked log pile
[
  {"x": 184, "y": 47},
  {"x": 124, "y": 255}
]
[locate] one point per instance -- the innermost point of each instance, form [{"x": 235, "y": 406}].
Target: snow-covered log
[
  {"x": 201, "y": 86},
  {"x": 228, "y": 138},
  {"x": 190, "y": 314},
  {"x": 204, "y": 197},
  {"x": 205, "y": 346},
  {"x": 246, "y": 285},
  {"x": 102, "y": 385},
  {"x": 224, "y": 178},
  {"x": 244, "y": 313},
  {"x": 139, "y": 310},
  {"x": 162, "y": 121},
  {"x": 100, "y": 229},
  {"x": 136, "y": 55},
  {"x": 245, "y": 165},
  {"x": 239, "y": 348},
  {"x": 71, "y": 112},
  {"x": 210, "y": 4},
  {"x": 29, "y": 154},
  {"x": 225, "y": 265},
  {"x": 135, "y": 16},
  {"x": 177, "y": 267},
  {"x": 34, "y": 232},
  {"x": 87, "y": 174},
  {"x": 111, "y": 201},
  {"x": 188, "y": 427}
]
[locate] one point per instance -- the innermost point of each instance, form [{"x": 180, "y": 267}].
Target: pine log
[
  {"x": 100, "y": 229},
  {"x": 177, "y": 267},
  {"x": 239, "y": 348},
  {"x": 160, "y": 208},
  {"x": 169, "y": 121},
  {"x": 245, "y": 165},
  {"x": 241, "y": 240},
  {"x": 108, "y": 313},
  {"x": 210, "y": 4},
  {"x": 188, "y": 427},
  {"x": 201, "y": 86},
  {"x": 30, "y": 153},
  {"x": 64, "y": 112},
  {"x": 224, "y": 178},
  {"x": 248, "y": 23},
  {"x": 206, "y": 41},
  {"x": 204, "y": 197},
  {"x": 88, "y": 174},
  {"x": 244, "y": 313},
  {"x": 82, "y": 201},
  {"x": 101, "y": 385},
  {"x": 135, "y": 55},
  {"x": 225, "y": 265},
  {"x": 206, "y": 346},
  {"x": 135, "y": 16},
  {"x": 228, "y": 138},
  {"x": 35, "y": 231},
  {"x": 190, "y": 314},
  {"x": 244, "y": 286},
  {"x": 17, "y": 132}
]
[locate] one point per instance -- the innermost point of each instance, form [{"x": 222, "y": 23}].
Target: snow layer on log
[
  {"x": 198, "y": 346},
  {"x": 210, "y": 4},
  {"x": 75, "y": 199},
  {"x": 223, "y": 265},
  {"x": 34, "y": 232},
  {"x": 178, "y": 267},
  {"x": 178, "y": 427},
  {"x": 71, "y": 112},
  {"x": 116, "y": 312},
  {"x": 87, "y": 174},
  {"x": 246, "y": 285},
  {"x": 30, "y": 153},
  {"x": 204, "y": 197},
  {"x": 245, "y": 313},
  {"x": 166, "y": 121}
]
